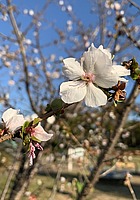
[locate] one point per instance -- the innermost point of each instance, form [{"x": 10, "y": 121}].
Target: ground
[{"x": 45, "y": 186}]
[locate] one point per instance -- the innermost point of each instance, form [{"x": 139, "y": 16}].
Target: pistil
[{"x": 88, "y": 77}]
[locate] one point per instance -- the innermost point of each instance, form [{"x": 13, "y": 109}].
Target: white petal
[
  {"x": 106, "y": 80},
  {"x": 92, "y": 47},
  {"x": 89, "y": 59},
  {"x": 123, "y": 80},
  {"x": 103, "y": 63},
  {"x": 97, "y": 61},
  {"x": 72, "y": 69},
  {"x": 121, "y": 70},
  {"x": 111, "y": 78},
  {"x": 8, "y": 114},
  {"x": 73, "y": 91},
  {"x": 15, "y": 122},
  {"x": 95, "y": 96},
  {"x": 105, "y": 51},
  {"x": 41, "y": 135}
]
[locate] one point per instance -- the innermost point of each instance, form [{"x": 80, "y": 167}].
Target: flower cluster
[
  {"x": 90, "y": 77},
  {"x": 32, "y": 133}
]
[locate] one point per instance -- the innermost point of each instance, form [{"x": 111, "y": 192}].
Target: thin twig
[
  {"x": 108, "y": 171},
  {"x": 6, "y": 137},
  {"x": 19, "y": 37},
  {"x": 130, "y": 37},
  {"x": 127, "y": 182},
  {"x": 95, "y": 172},
  {"x": 43, "y": 117},
  {"x": 10, "y": 176},
  {"x": 55, "y": 185},
  {"x": 134, "y": 4}
]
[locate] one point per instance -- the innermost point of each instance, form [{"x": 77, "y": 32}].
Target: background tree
[{"x": 33, "y": 45}]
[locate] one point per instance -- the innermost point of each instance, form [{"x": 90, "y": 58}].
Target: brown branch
[
  {"x": 131, "y": 127},
  {"x": 37, "y": 17},
  {"x": 49, "y": 86},
  {"x": 5, "y": 37},
  {"x": 127, "y": 182},
  {"x": 19, "y": 38},
  {"x": 95, "y": 173},
  {"x": 43, "y": 117},
  {"x": 6, "y": 137},
  {"x": 102, "y": 20},
  {"x": 11, "y": 174},
  {"x": 130, "y": 37},
  {"x": 134, "y": 4}
]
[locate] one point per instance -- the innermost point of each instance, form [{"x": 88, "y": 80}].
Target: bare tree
[{"x": 34, "y": 71}]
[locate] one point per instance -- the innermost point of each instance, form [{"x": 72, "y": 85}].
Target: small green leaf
[
  {"x": 36, "y": 121},
  {"x": 57, "y": 105},
  {"x": 26, "y": 140},
  {"x": 35, "y": 139},
  {"x": 135, "y": 76},
  {"x": 115, "y": 103},
  {"x": 137, "y": 71},
  {"x": 25, "y": 125},
  {"x": 79, "y": 186},
  {"x": 48, "y": 108},
  {"x": 120, "y": 101},
  {"x": 134, "y": 64}
]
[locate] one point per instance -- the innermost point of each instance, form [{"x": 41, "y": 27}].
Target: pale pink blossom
[
  {"x": 12, "y": 119},
  {"x": 39, "y": 133}
]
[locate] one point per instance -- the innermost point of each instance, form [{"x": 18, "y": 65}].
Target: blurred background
[{"x": 35, "y": 36}]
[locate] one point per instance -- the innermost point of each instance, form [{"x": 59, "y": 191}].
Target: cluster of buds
[
  {"x": 118, "y": 93},
  {"x": 134, "y": 68}
]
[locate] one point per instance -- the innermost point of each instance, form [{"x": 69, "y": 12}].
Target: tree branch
[
  {"x": 19, "y": 37},
  {"x": 130, "y": 37},
  {"x": 95, "y": 173},
  {"x": 43, "y": 117},
  {"x": 134, "y": 4}
]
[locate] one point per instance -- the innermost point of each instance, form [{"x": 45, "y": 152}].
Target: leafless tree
[{"x": 31, "y": 64}]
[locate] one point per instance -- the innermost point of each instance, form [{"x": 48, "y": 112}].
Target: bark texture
[{"x": 95, "y": 173}]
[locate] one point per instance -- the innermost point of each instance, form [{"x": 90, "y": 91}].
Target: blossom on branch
[
  {"x": 12, "y": 120},
  {"x": 32, "y": 133},
  {"x": 36, "y": 133},
  {"x": 86, "y": 78},
  {"x": 39, "y": 133}
]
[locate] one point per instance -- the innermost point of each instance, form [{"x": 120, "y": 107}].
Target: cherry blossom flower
[
  {"x": 119, "y": 69},
  {"x": 95, "y": 70},
  {"x": 39, "y": 133},
  {"x": 12, "y": 119}
]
